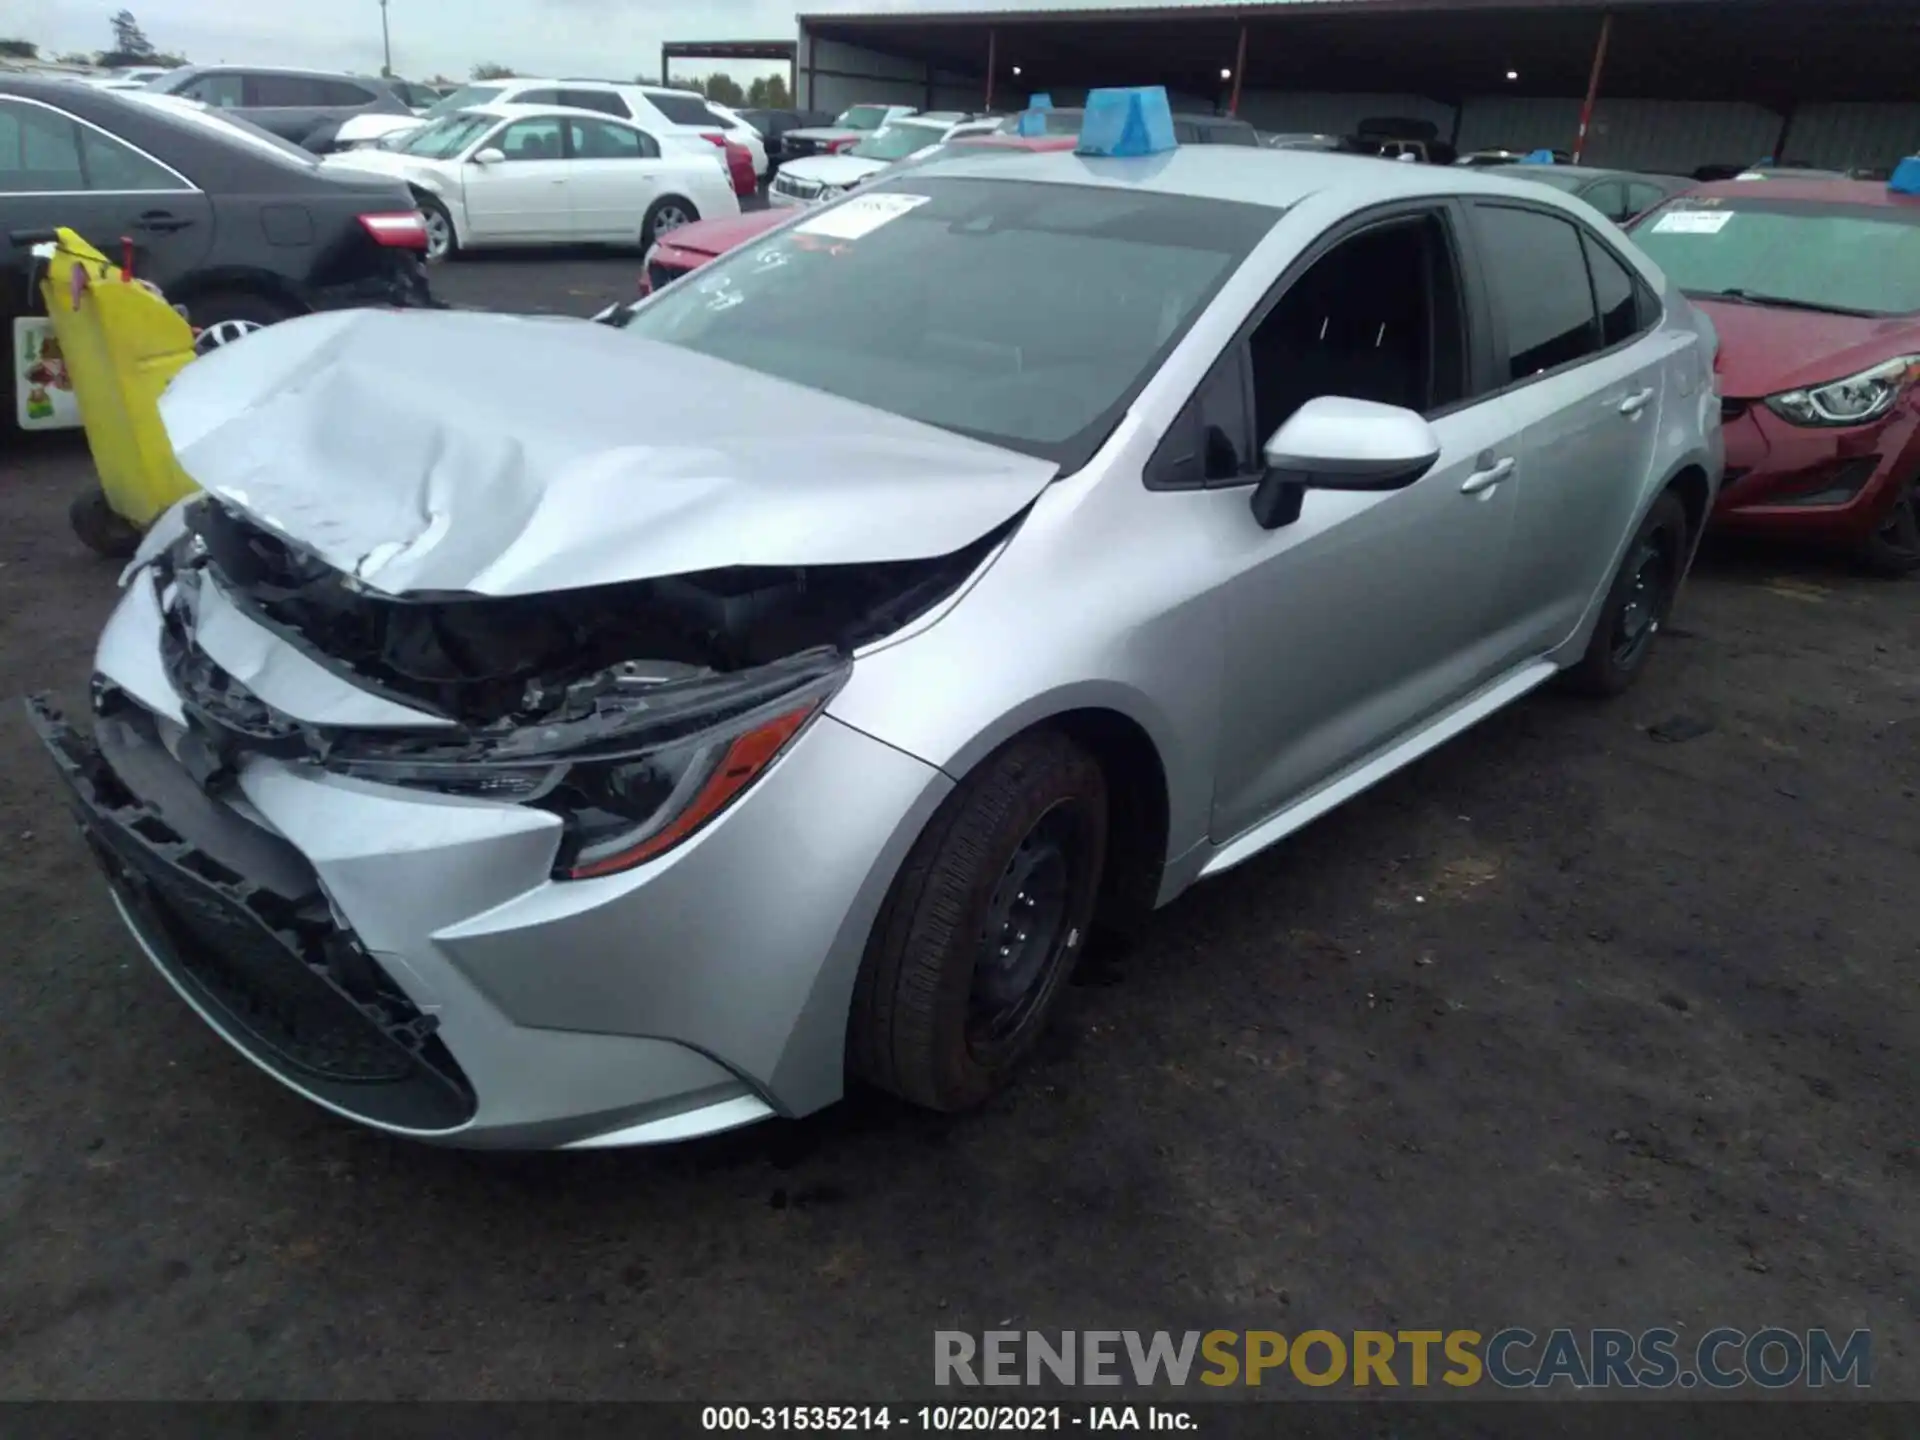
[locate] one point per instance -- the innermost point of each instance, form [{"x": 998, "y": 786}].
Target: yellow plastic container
[{"x": 123, "y": 342}]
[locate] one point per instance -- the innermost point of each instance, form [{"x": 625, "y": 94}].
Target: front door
[
  {"x": 525, "y": 197},
  {"x": 1372, "y": 612},
  {"x": 1585, "y": 380}
]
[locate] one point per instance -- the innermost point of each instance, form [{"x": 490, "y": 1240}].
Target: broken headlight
[{"x": 633, "y": 766}]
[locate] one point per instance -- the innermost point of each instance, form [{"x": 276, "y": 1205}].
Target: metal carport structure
[{"x": 1676, "y": 81}]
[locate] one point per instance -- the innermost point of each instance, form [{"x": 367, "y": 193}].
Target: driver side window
[
  {"x": 531, "y": 140},
  {"x": 1379, "y": 317}
]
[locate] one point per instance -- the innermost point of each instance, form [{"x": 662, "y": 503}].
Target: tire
[
  {"x": 442, "y": 242},
  {"x": 661, "y": 218},
  {"x": 1637, "y": 604},
  {"x": 1893, "y": 550},
  {"x": 215, "y": 306},
  {"x": 1020, "y": 843},
  {"x": 99, "y": 528}
]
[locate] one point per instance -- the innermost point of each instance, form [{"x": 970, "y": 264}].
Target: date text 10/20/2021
[{"x": 941, "y": 1419}]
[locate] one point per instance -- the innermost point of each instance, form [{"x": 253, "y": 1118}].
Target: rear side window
[
  {"x": 284, "y": 92},
  {"x": 686, "y": 110},
  {"x": 597, "y": 140},
  {"x": 1610, "y": 199},
  {"x": 39, "y": 152},
  {"x": 1642, "y": 198},
  {"x": 537, "y": 97},
  {"x": 344, "y": 93},
  {"x": 1538, "y": 273},
  {"x": 109, "y": 165},
  {"x": 1229, "y": 135},
  {"x": 1624, "y": 310},
  {"x": 605, "y": 101}
]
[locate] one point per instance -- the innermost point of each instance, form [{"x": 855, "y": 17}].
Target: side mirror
[
  {"x": 492, "y": 155},
  {"x": 1333, "y": 443}
]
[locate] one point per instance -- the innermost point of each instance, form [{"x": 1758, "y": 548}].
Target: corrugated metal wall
[
  {"x": 844, "y": 75},
  {"x": 1663, "y": 136},
  {"x": 1300, "y": 112},
  {"x": 1846, "y": 136}
]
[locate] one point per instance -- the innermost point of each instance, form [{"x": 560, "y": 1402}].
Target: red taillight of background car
[{"x": 397, "y": 229}]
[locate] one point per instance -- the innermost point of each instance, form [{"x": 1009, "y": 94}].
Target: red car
[
  {"x": 692, "y": 246},
  {"x": 1814, "y": 286}
]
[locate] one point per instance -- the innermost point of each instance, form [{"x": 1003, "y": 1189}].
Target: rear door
[
  {"x": 613, "y": 176},
  {"x": 1584, "y": 377},
  {"x": 524, "y": 198}
]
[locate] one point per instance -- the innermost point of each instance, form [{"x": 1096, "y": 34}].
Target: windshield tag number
[{"x": 1693, "y": 222}]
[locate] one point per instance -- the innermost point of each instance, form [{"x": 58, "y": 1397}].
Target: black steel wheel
[
  {"x": 982, "y": 927},
  {"x": 1894, "y": 547},
  {"x": 1638, "y": 602}
]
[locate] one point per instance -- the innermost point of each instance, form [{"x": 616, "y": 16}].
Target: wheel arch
[{"x": 241, "y": 278}]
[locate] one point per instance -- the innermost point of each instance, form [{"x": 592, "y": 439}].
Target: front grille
[
  {"x": 283, "y": 980},
  {"x": 660, "y": 276},
  {"x": 796, "y": 187}
]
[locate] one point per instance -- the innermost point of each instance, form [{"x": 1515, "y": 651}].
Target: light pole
[{"x": 386, "y": 43}]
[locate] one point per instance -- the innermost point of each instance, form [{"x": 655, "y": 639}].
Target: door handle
[
  {"x": 1481, "y": 481},
  {"x": 160, "y": 222},
  {"x": 1634, "y": 404}
]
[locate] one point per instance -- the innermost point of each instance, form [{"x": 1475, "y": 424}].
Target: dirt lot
[{"x": 1569, "y": 1025}]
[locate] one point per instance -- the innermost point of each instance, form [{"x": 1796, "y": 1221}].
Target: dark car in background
[
  {"x": 1617, "y": 194},
  {"x": 1188, "y": 129},
  {"x": 294, "y": 104},
  {"x": 773, "y": 126},
  {"x": 1814, "y": 288},
  {"x": 232, "y": 222}
]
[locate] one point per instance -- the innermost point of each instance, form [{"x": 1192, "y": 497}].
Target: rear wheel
[
  {"x": 99, "y": 528},
  {"x": 668, "y": 213},
  {"x": 1894, "y": 547},
  {"x": 217, "y": 307},
  {"x": 982, "y": 926},
  {"x": 1638, "y": 602}
]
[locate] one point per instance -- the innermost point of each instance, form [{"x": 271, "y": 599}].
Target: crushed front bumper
[
  {"x": 479, "y": 1002},
  {"x": 1821, "y": 486}
]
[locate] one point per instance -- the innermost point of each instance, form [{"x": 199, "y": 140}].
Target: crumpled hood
[
  {"x": 451, "y": 452},
  {"x": 374, "y": 127},
  {"x": 835, "y": 169}
]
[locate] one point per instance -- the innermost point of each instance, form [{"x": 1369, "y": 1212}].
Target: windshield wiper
[{"x": 1750, "y": 297}]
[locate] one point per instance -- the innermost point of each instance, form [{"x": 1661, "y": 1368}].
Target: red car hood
[
  {"x": 716, "y": 237},
  {"x": 1767, "y": 349}
]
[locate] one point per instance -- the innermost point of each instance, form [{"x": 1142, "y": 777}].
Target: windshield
[
  {"x": 1846, "y": 257},
  {"x": 1546, "y": 175},
  {"x": 896, "y": 142},
  {"x": 444, "y": 138},
  {"x": 862, "y": 117},
  {"x": 1026, "y": 315},
  {"x": 465, "y": 98}
]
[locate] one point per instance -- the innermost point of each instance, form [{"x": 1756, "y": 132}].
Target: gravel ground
[{"x": 1570, "y": 1024}]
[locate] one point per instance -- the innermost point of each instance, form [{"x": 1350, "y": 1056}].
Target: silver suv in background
[{"x": 297, "y": 105}]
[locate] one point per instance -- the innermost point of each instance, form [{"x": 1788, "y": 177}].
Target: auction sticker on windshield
[
  {"x": 860, "y": 216},
  {"x": 1693, "y": 222}
]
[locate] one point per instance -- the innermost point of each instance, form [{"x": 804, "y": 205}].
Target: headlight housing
[
  {"x": 1852, "y": 401},
  {"x": 636, "y": 766},
  {"x": 832, "y": 192}
]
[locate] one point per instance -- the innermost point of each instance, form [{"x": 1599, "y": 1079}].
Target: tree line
[
  {"x": 769, "y": 92},
  {"x": 130, "y": 47}
]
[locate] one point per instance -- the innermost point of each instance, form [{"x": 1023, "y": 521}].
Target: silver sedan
[{"x": 585, "y": 735}]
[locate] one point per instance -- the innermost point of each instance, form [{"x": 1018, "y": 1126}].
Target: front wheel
[
  {"x": 1894, "y": 547},
  {"x": 982, "y": 926},
  {"x": 1638, "y": 602},
  {"x": 442, "y": 243}
]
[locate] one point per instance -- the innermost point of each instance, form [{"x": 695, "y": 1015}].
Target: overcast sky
[{"x": 567, "y": 37}]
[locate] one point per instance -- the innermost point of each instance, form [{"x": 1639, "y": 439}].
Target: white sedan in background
[
  {"x": 820, "y": 178},
  {"x": 541, "y": 175}
]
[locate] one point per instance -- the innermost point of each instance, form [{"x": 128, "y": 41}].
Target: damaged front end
[{"x": 635, "y": 712}]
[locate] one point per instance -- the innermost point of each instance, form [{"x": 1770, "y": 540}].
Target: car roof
[
  {"x": 1589, "y": 172},
  {"x": 1832, "y": 192},
  {"x": 1253, "y": 174},
  {"x": 513, "y": 110}
]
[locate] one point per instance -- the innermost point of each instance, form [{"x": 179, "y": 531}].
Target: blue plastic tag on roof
[
  {"x": 1906, "y": 177},
  {"x": 1538, "y": 157},
  {"x": 1040, "y": 102},
  {"x": 1032, "y": 122},
  {"x": 1127, "y": 122}
]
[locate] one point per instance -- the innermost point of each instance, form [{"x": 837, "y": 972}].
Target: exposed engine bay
[{"x": 494, "y": 664}]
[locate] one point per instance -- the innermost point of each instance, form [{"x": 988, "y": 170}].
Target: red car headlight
[{"x": 1852, "y": 401}]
